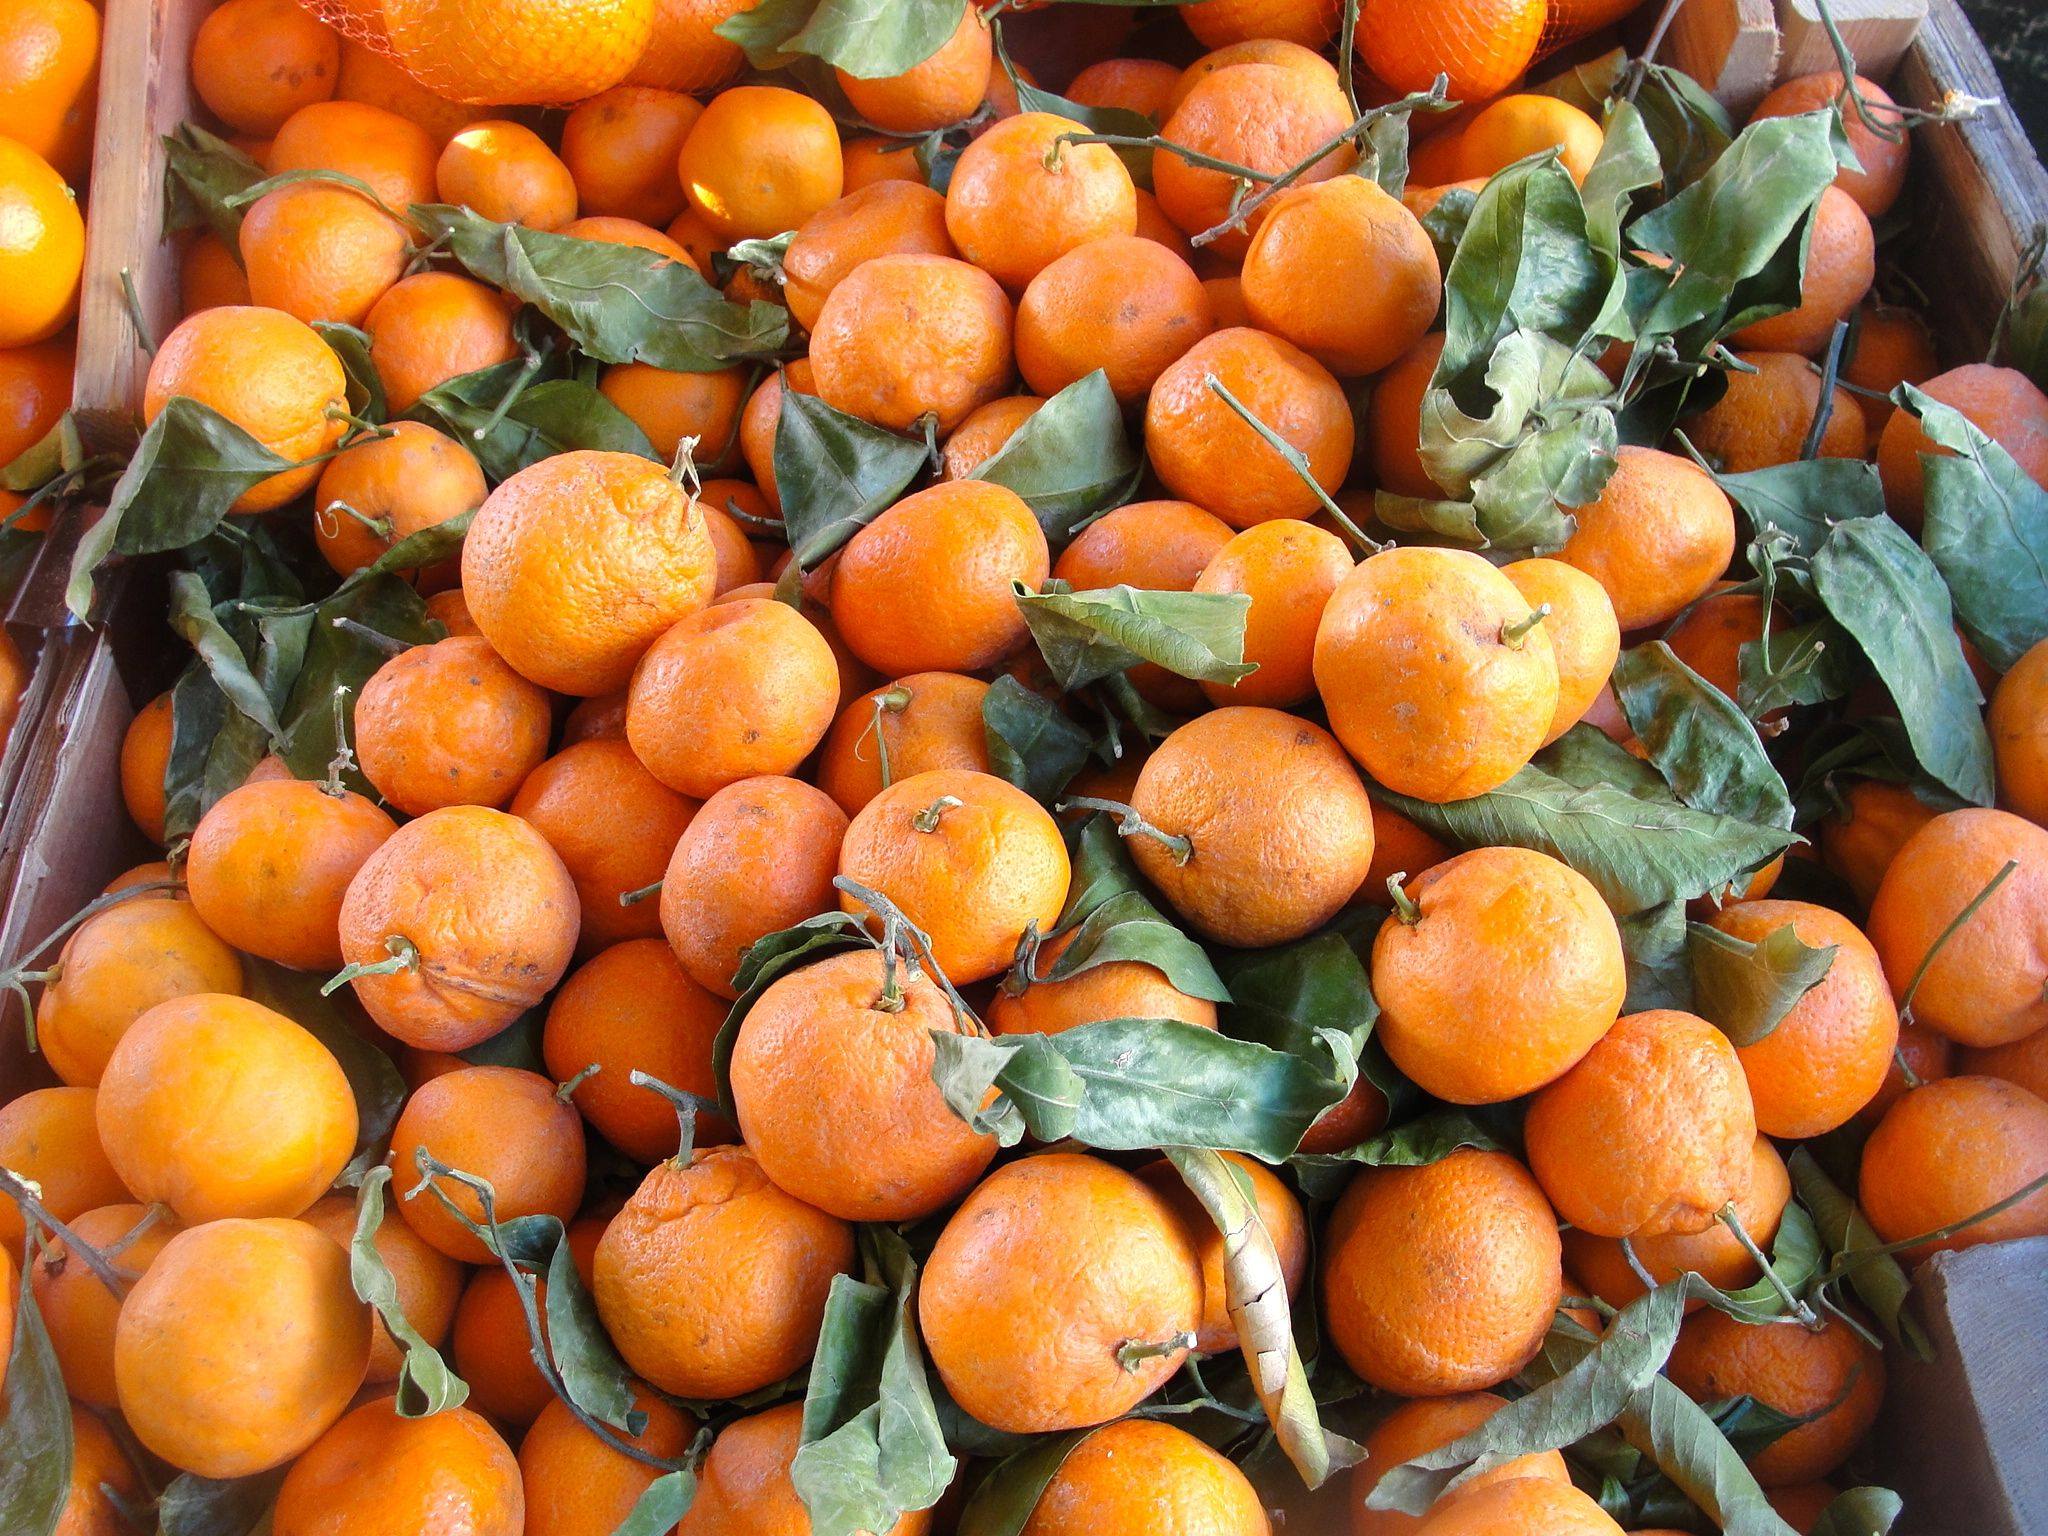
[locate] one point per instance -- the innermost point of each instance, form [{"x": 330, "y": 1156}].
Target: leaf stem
[
  {"x": 405, "y": 956},
  {"x": 28, "y": 1198},
  {"x": 1954, "y": 927},
  {"x": 1732, "y": 1220},
  {"x": 1130, "y": 824},
  {"x": 1296, "y": 459},
  {"x": 1824, "y": 407}
]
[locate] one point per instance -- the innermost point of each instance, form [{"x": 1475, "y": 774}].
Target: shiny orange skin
[
  {"x": 1046, "y": 1270},
  {"x": 78, "y": 1311},
  {"x": 1892, "y": 346},
  {"x": 1883, "y": 177},
  {"x": 938, "y": 90},
  {"x": 612, "y": 824},
  {"x": 1585, "y": 637},
  {"x": 1652, "y": 1132},
  {"x": 1472, "y": 1010},
  {"x": 686, "y": 52},
  {"x": 1122, "y": 303},
  {"x": 1657, "y": 538},
  {"x": 1112, "y": 989},
  {"x": 1763, "y": 419},
  {"x": 1289, "y": 569},
  {"x": 1792, "y": 1369},
  {"x": 516, "y": 51},
  {"x": 375, "y": 1472},
  {"x": 1989, "y": 983},
  {"x": 369, "y": 77},
  {"x": 712, "y": 1281},
  {"x": 888, "y": 218},
  {"x": 35, "y": 392},
  {"x": 575, "y": 566},
  {"x": 413, "y": 480},
  {"x": 269, "y": 374},
  {"x": 1204, "y": 452},
  {"x": 904, "y": 335},
  {"x": 759, "y": 857},
  {"x": 2024, "y": 1062},
  {"x": 1144, "y": 1474},
  {"x": 1137, "y": 85},
  {"x": 1949, "y": 1149},
  {"x": 99, "y": 1468},
  {"x": 1422, "y": 1425},
  {"x": 145, "y": 755},
  {"x": 1829, "y": 1055},
  {"x": 925, "y": 587},
  {"x": 577, "y": 1484},
  {"x": 1515, "y": 127},
  {"x": 450, "y": 724},
  {"x": 1267, "y": 116},
  {"x": 1344, "y": 236},
  {"x": 1859, "y": 841},
  {"x": 1279, "y": 1213},
  {"x": 836, "y": 1098},
  {"x": 1441, "y": 1278},
  {"x": 937, "y": 724},
  {"x": 620, "y": 148},
  {"x": 506, "y": 172},
  {"x": 393, "y": 154},
  {"x": 268, "y": 867},
  {"x": 1393, "y": 421},
  {"x": 490, "y": 910},
  {"x": 318, "y": 251},
  {"x": 1219, "y": 23},
  {"x": 280, "y": 1291},
  {"x": 51, "y": 1135},
  {"x": 490, "y": 1349},
  {"x": 1423, "y": 683},
  {"x": 433, "y": 327},
  {"x": 429, "y": 1282},
  {"x": 49, "y": 81},
  {"x": 1482, "y": 45},
  {"x": 633, "y": 1009},
  {"x": 2019, "y": 735},
  {"x": 984, "y": 432},
  {"x": 744, "y": 1486},
  {"x": 1524, "y": 1506},
  {"x": 2003, "y": 403},
  {"x": 256, "y": 62},
  {"x": 1714, "y": 1253},
  {"x": 502, "y": 1124},
  {"x": 987, "y": 868},
  {"x": 218, "y": 1106},
  {"x": 1021, "y": 198},
  {"x": 42, "y": 247},
  {"x": 760, "y": 160},
  {"x": 872, "y": 157},
  {"x": 114, "y": 968},
  {"x": 732, "y": 692},
  {"x": 1279, "y": 824},
  {"x": 1841, "y": 264},
  {"x": 1156, "y": 546}
]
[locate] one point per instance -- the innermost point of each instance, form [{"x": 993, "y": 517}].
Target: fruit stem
[
  {"x": 896, "y": 928},
  {"x": 687, "y": 1107},
  {"x": 1514, "y": 635},
  {"x": 895, "y": 701},
  {"x": 634, "y": 898},
  {"x": 1824, "y": 406},
  {"x": 927, "y": 820},
  {"x": 1296, "y": 460},
  {"x": 1732, "y": 1220},
  {"x": 28, "y": 1196},
  {"x": 1848, "y": 1261},
  {"x": 15, "y": 978},
  {"x": 1962, "y": 917},
  {"x": 1404, "y": 904},
  {"x": 567, "y": 1091},
  {"x": 513, "y": 391},
  {"x": 1913, "y": 1079},
  {"x": 1134, "y": 1352},
  {"x": 380, "y": 526},
  {"x": 344, "y": 759},
  {"x": 390, "y": 645},
  {"x": 682, "y": 470},
  {"x": 405, "y": 956},
  {"x": 1023, "y": 973},
  {"x": 1130, "y": 824}
]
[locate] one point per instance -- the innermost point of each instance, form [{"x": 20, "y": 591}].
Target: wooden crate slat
[
  {"x": 1878, "y": 33},
  {"x": 1729, "y": 46}
]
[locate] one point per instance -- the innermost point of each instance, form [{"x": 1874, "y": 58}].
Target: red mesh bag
[{"x": 502, "y": 52}]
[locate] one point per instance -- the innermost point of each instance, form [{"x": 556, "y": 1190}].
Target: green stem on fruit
[
  {"x": 405, "y": 956},
  {"x": 927, "y": 820},
  {"x": 1296, "y": 460},
  {"x": 567, "y": 1091},
  {"x": 1405, "y": 908},
  {"x": 1732, "y": 1220},
  {"x": 645, "y": 893},
  {"x": 28, "y": 1198},
  {"x": 688, "y": 1106},
  {"x": 344, "y": 759},
  {"x": 1514, "y": 636},
  {"x": 1824, "y": 407},
  {"x": 1954, "y": 927},
  {"x": 1133, "y": 1353},
  {"x": 1130, "y": 824}
]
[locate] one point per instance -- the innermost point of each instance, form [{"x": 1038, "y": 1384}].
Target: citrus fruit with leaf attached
[
  {"x": 1830, "y": 1373},
  {"x": 51, "y": 1136},
  {"x": 506, "y": 172},
  {"x": 501, "y": 52},
  {"x": 49, "y": 80},
  {"x": 256, "y": 62},
  {"x": 906, "y": 336},
  {"x": 918, "y": 723},
  {"x": 983, "y": 433},
  {"x": 450, "y": 724},
  {"x": 267, "y": 373},
  {"x": 1041, "y": 1283},
  {"x": 489, "y": 1347},
  {"x": 1469, "y": 1011},
  {"x": 433, "y": 327},
  {"x": 670, "y": 406},
  {"x": 1022, "y": 196},
  {"x": 1946, "y": 1152},
  {"x": 321, "y": 252},
  {"x": 575, "y": 566},
  {"x": 1252, "y": 824},
  {"x": 760, "y": 161},
  {"x": 1652, "y": 1132},
  {"x": 1279, "y": 1213},
  {"x": 218, "y": 1106},
  {"x": 1482, "y": 45},
  {"x": 378, "y": 1471},
  {"x": 712, "y": 1281},
  {"x": 78, "y": 1311},
  {"x": 744, "y": 1487},
  {"x": 761, "y": 419},
  {"x": 2002, "y": 403},
  {"x": 1658, "y": 537},
  {"x": 381, "y": 491},
  {"x": 1891, "y": 346},
  {"x": 465, "y": 919},
  {"x": 1143, "y": 1474},
  {"x": 429, "y": 1283},
  {"x": 940, "y": 89},
  {"x": 1441, "y": 1278},
  {"x": 1122, "y": 303},
  {"x": 35, "y": 392},
  {"x": 1425, "y": 1424},
  {"x": 579, "y": 1485},
  {"x": 1044, "y": 1004},
  {"x": 301, "y": 1341},
  {"x": 390, "y": 154},
  {"x": 1841, "y": 264},
  {"x": 1515, "y": 127},
  {"x": 210, "y": 275},
  {"x": 1437, "y": 673},
  {"x": 1711, "y": 635},
  {"x": 1875, "y": 128}
]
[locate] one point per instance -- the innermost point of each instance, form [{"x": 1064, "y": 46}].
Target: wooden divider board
[
  {"x": 1878, "y": 33},
  {"x": 1729, "y": 46}
]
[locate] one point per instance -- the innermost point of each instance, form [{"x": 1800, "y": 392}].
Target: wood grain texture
[
  {"x": 1729, "y": 46},
  {"x": 1878, "y": 33}
]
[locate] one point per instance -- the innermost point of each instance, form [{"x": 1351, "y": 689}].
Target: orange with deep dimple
[
  {"x": 926, "y": 586},
  {"x": 450, "y": 724},
  {"x": 1433, "y": 674},
  {"x": 1277, "y": 827},
  {"x": 1045, "y": 1272},
  {"x": 433, "y": 327},
  {"x": 712, "y": 1281},
  {"x": 376, "y": 1471},
  {"x": 269, "y": 865},
  {"x": 968, "y": 857},
  {"x": 386, "y": 489},
  {"x": 484, "y": 908},
  {"x": 904, "y": 336},
  {"x": 1473, "y": 1009},
  {"x": 575, "y": 566},
  {"x": 1021, "y": 197},
  {"x": 833, "y": 1085},
  {"x": 1206, "y": 453},
  {"x": 633, "y": 1010},
  {"x": 1441, "y": 1278},
  {"x": 1482, "y": 45},
  {"x": 1948, "y": 1150},
  {"x": 1142, "y": 1474},
  {"x": 1652, "y": 1132},
  {"x": 887, "y": 218},
  {"x": 759, "y": 161},
  {"x": 301, "y": 1342},
  {"x": 506, "y": 52},
  {"x": 269, "y": 374},
  {"x": 1658, "y": 537},
  {"x": 1123, "y": 303},
  {"x": 1829, "y": 1054}
]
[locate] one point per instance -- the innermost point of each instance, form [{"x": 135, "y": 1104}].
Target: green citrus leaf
[
  {"x": 1690, "y": 129},
  {"x": 1879, "y": 1280},
  {"x": 204, "y": 1506},
  {"x": 661, "y": 1504},
  {"x": 1031, "y": 740},
  {"x": 1699, "y": 739},
  {"x": 1654, "y": 949},
  {"x": 1860, "y": 1512},
  {"x": 35, "y": 1424},
  {"x": 1745, "y": 989},
  {"x": 1809, "y": 664},
  {"x": 1807, "y": 498},
  {"x": 1002, "y": 1505},
  {"x": 350, "y": 635},
  {"x": 836, "y": 474},
  {"x": 869, "y": 39},
  {"x": 425, "y": 1384},
  {"x": 1691, "y": 1450},
  {"x": 201, "y": 173},
  {"x": 547, "y": 415},
  {"x": 1070, "y": 460},
  {"x": 1088, "y": 636}
]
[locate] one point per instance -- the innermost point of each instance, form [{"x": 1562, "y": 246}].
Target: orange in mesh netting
[{"x": 503, "y": 52}]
